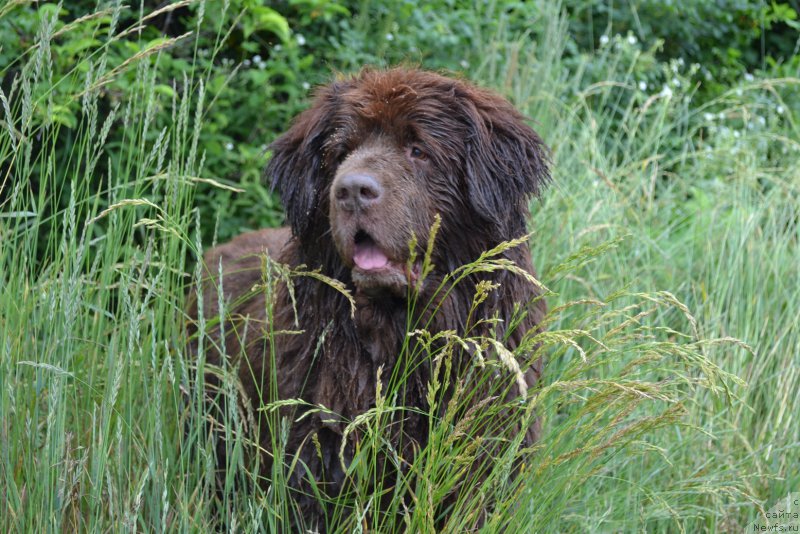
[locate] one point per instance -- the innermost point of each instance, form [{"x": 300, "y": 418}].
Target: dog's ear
[
  {"x": 297, "y": 167},
  {"x": 506, "y": 162}
]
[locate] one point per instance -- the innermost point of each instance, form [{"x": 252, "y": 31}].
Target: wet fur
[{"x": 482, "y": 166}]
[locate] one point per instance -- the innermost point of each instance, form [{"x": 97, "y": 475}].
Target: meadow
[{"x": 668, "y": 242}]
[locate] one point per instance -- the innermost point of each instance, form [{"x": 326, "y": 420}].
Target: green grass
[{"x": 670, "y": 243}]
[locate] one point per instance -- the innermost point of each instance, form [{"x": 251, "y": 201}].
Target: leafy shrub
[{"x": 725, "y": 38}]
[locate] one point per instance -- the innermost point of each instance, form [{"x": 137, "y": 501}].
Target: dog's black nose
[{"x": 354, "y": 191}]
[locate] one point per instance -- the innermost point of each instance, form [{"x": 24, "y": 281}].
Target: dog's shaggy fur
[{"x": 362, "y": 174}]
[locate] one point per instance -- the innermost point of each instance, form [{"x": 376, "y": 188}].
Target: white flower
[
  {"x": 277, "y": 47},
  {"x": 676, "y": 82},
  {"x": 228, "y": 146},
  {"x": 389, "y": 37},
  {"x": 464, "y": 64},
  {"x": 762, "y": 121},
  {"x": 708, "y": 116},
  {"x": 748, "y": 77},
  {"x": 643, "y": 86},
  {"x": 632, "y": 39},
  {"x": 779, "y": 110},
  {"x": 257, "y": 58},
  {"x": 736, "y": 134},
  {"x": 603, "y": 39},
  {"x": 666, "y": 92},
  {"x": 300, "y": 39},
  {"x": 306, "y": 86}
]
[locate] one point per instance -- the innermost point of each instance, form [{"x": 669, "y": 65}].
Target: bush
[{"x": 726, "y": 39}]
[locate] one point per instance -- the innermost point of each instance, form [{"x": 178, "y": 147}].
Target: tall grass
[
  {"x": 670, "y": 246},
  {"x": 702, "y": 201},
  {"x": 92, "y": 284}
]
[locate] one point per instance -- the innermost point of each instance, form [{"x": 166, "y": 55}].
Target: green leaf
[
  {"x": 164, "y": 89},
  {"x": 63, "y": 115},
  {"x": 266, "y": 18}
]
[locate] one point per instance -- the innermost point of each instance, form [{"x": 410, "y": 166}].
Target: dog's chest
[{"x": 380, "y": 328}]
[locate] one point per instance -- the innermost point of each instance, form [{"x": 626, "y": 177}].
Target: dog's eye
[{"x": 417, "y": 153}]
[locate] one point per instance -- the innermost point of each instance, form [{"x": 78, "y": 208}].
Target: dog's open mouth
[
  {"x": 375, "y": 273},
  {"x": 367, "y": 255}
]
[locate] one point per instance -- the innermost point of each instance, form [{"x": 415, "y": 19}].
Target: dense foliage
[{"x": 262, "y": 59}]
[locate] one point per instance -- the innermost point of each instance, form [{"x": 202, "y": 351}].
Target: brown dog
[{"x": 362, "y": 174}]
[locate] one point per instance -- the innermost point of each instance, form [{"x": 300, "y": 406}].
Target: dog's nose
[{"x": 353, "y": 191}]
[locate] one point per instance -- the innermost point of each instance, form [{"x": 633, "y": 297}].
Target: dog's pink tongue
[{"x": 368, "y": 257}]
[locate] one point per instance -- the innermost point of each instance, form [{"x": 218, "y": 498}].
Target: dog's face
[
  {"x": 380, "y": 198},
  {"x": 369, "y": 166}
]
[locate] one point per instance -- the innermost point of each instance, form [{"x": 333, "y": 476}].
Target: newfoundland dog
[{"x": 393, "y": 183}]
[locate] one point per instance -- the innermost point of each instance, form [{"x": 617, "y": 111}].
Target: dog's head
[{"x": 380, "y": 154}]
